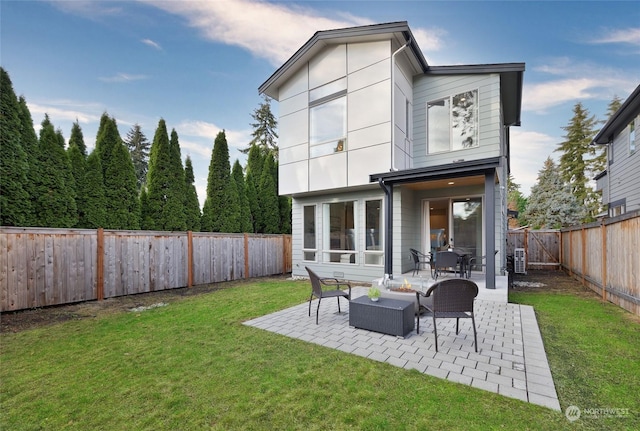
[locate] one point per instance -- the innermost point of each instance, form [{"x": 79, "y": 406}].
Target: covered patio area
[{"x": 511, "y": 360}]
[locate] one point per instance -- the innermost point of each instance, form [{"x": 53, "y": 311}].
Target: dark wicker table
[{"x": 389, "y": 316}]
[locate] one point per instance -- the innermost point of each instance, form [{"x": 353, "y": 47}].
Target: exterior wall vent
[{"x": 519, "y": 264}]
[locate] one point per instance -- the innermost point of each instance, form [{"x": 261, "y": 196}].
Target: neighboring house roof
[
  {"x": 511, "y": 74},
  {"x": 618, "y": 121}
]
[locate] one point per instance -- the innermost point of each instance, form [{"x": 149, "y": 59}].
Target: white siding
[
  {"x": 328, "y": 172},
  {"x": 427, "y": 88},
  {"x": 330, "y": 64}
]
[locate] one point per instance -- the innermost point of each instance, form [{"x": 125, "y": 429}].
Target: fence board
[{"x": 44, "y": 266}]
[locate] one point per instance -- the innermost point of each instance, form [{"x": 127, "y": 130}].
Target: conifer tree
[
  {"x": 515, "y": 200},
  {"x": 230, "y": 214},
  {"x": 55, "y": 192},
  {"x": 29, "y": 143},
  {"x": 551, "y": 204},
  {"x": 91, "y": 195},
  {"x": 77, "y": 163},
  {"x": 121, "y": 193},
  {"x": 264, "y": 129},
  {"x": 252, "y": 184},
  {"x": 138, "y": 146},
  {"x": 191, "y": 203},
  {"x": 579, "y": 161},
  {"x": 146, "y": 222},
  {"x": 15, "y": 205},
  {"x": 165, "y": 183},
  {"x": 245, "y": 211},
  {"x": 77, "y": 138},
  {"x": 268, "y": 198},
  {"x": 217, "y": 181}
]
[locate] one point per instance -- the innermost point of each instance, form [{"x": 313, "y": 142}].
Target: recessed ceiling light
[{"x": 451, "y": 183}]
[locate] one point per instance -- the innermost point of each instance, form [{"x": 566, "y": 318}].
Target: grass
[{"x": 193, "y": 365}]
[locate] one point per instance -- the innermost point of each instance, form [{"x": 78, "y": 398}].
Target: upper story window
[
  {"x": 632, "y": 136},
  {"x": 328, "y": 118},
  {"x": 452, "y": 122}
]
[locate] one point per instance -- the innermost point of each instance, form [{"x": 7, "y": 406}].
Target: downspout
[
  {"x": 393, "y": 99},
  {"x": 388, "y": 229}
]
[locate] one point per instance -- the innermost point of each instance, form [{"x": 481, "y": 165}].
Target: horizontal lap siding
[{"x": 43, "y": 267}]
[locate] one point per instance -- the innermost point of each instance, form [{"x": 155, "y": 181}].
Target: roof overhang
[
  {"x": 399, "y": 32},
  {"x": 618, "y": 121},
  {"x": 511, "y": 80},
  {"x": 433, "y": 173}
]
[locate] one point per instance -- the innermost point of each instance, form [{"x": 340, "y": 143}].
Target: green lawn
[{"x": 192, "y": 365}]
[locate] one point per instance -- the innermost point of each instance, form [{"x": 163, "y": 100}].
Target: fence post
[
  {"x": 189, "y": 258},
  {"x": 246, "y": 255},
  {"x": 100, "y": 265},
  {"x": 603, "y": 227},
  {"x": 526, "y": 248},
  {"x": 583, "y": 234}
]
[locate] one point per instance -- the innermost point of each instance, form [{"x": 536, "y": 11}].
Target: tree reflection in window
[{"x": 463, "y": 120}]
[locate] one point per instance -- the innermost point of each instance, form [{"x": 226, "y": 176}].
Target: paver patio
[{"x": 511, "y": 360}]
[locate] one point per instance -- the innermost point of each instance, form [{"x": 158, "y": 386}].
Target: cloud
[
  {"x": 529, "y": 150},
  {"x": 627, "y": 35},
  {"x": 123, "y": 77},
  {"x": 238, "y": 139},
  {"x": 272, "y": 31},
  {"x": 88, "y": 8},
  {"x": 573, "y": 81},
  {"x": 66, "y": 111},
  {"x": 152, "y": 44}
]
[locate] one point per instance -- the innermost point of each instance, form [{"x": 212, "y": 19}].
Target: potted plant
[{"x": 374, "y": 293}]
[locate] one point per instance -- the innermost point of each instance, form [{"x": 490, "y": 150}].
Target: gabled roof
[
  {"x": 511, "y": 74},
  {"x": 399, "y": 31},
  {"x": 622, "y": 117}
]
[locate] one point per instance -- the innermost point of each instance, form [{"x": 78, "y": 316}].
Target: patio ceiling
[{"x": 476, "y": 180}]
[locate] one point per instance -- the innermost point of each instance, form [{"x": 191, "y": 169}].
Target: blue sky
[{"x": 198, "y": 65}]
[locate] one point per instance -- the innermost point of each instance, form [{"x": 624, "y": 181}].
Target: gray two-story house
[
  {"x": 382, "y": 152},
  {"x": 620, "y": 182}
]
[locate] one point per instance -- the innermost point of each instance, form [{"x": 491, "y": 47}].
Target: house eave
[
  {"x": 450, "y": 170},
  {"x": 619, "y": 120},
  {"x": 398, "y": 31}
]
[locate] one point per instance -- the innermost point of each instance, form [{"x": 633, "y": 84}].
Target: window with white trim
[
  {"x": 340, "y": 232},
  {"x": 328, "y": 118},
  {"x": 309, "y": 247},
  {"x": 374, "y": 251},
  {"x": 452, "y": 123}
]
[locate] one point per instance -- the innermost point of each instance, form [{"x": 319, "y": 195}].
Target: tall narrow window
[
  {"x": 452, "y": 122},
  {"x": 328, "y": 118},
  {"x": 373, "y": 254},
  {"x": 340, "y": 232},
  {"x": 309, "y": 240},
  {"x": 632, "y": 136}
]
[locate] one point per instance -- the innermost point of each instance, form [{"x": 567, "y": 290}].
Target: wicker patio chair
[
  {"x": 452, "y": 298},
  {"x": 444, "y": 260},
  {"x": 319, "y": 292},
  {"x": 419, "y": 259},
  {"x": 477, "y": 261}
]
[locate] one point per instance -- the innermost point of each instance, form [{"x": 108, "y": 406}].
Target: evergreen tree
[
  {"x": 121, "y": 194},
  {"x": 15, "y": 205},
  {"x": 78, "y": 164},
  {"x": 285, "y": 214},
  {"x": 217, "y": 181},
  {"x": 77, "y": 139},
  {"x": 138, "y": 146},
  {"x": 29, "y": 141},
  {"x": 551, "y": 204},
  {"x": 515, "y": 201},
  {"x": 230, "y": 213},
  {"x": 243, "y": 202},
  {"x": 55, "y": 193},
  {"x": 92, "y": 212},
  {"x": 579, "y": 161},
  {"x": 146, "y": 222},
  {"x": 191, "y": 203},
  {"x": 268, "y": 198},
  {"x": 165, "y": 183},
  {"x": 613, "y": 107},
  {"x": 252, "y": 184},
  {"x": 264, "y": 129}
]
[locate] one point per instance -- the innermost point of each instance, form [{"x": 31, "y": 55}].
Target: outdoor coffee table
[{"x": 389, "y": 316}]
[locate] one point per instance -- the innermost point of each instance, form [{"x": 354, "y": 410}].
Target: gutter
[{"x": 393, "y": 99}]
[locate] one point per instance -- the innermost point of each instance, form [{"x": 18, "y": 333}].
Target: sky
[{"x": 198, "y": 64}]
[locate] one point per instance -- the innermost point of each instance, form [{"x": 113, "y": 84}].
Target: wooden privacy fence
[
  {"x": 541, "y": 247},
  {"x": 605, "y": 257},
  {"x": 41, "y": 267}
]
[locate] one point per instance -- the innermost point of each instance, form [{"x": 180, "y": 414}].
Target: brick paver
[{"x": 511, "y": 360}]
